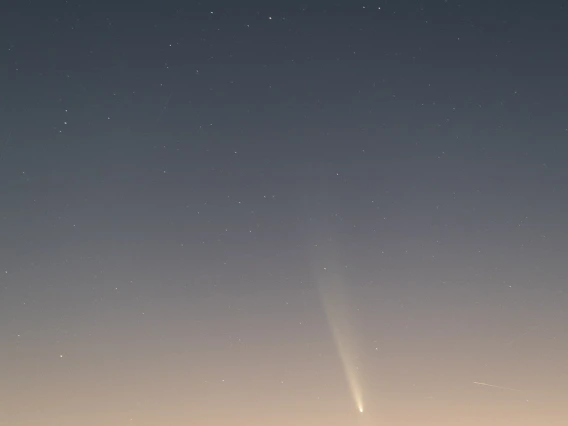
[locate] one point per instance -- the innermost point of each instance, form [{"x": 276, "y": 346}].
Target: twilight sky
[{"x": 279, "y": 213}]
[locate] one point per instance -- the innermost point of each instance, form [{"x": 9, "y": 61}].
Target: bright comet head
[{"x": 360, "y": 409}]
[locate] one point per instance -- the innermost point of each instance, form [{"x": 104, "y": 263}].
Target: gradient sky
[{"x": 244, "y": 213}]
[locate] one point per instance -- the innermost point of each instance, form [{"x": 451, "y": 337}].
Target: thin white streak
[{"x": 497, "y": 387}]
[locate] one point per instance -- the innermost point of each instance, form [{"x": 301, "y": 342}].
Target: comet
[
  {"x": 334, "y": 300},
  {"x": 333, "y": 292}
]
